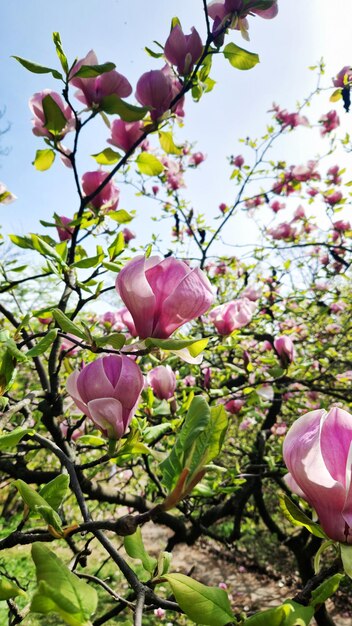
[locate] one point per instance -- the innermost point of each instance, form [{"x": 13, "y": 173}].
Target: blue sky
[{"x": 118, "y": 30}]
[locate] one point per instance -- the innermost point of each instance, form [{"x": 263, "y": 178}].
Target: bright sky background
[{"x": 118, "y": 30}]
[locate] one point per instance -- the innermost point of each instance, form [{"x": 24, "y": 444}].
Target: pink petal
[{"x": 106, "y": 413}]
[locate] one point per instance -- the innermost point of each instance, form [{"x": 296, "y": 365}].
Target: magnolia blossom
[
  {"x": 342, "y": 225},
  {"x": 234, "y": 405},
  {"x": 277, "y": 206},
  {"x": 91, "y": 91},
  {"x": 329, "y": 122},
  {"x": 333, "y": 198},
  {"x": 285, "y": 349},
  {"x": 232, "y": 315},
  {"x": 162, "y": 294},
  {"x": 156, "y": 89},
  {"x": 163, "y": 382},
  {"x": 343, "y": 77},
  {"x": 64, "y": 231},
  {"x": 36, "y": 106},
  {"x": 289, "y": 120},
  {"x": 333, "y": 175},
  {"x": 125, "y": 134},
  {"x": 183, "y": 50},
  {"x": 107, "y": 391},
  {"x": 221, "y": 10},
  {"x": 317, "y": 452},
  {"x": 282, "y": 231},
  {"x": 238, "y": 161},
  {"x": 128, "y": 235},
  {"x": 108, "y": 198},
  {"x": 196, "y": 158}
]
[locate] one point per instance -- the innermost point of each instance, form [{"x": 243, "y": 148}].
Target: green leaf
[
  {"x": 195, "y": 346},
  {"x": 91, "y": 71},
  {"x": 121, "y": 216},
  {"x": 155, "y": 55},
  {"x": 55, "y": 121},
  {"x": 116, "y": 340},
  {"x": 288, "y": 614},
  {"x": 43, "y": 159},
  {"x": 134, "y": 547},
  {"x": 107, "y": 157},
  {"x": 346, "y": 557},
  {"x": 167, "y": 143},
  {"x": 55, "y": 491},
  {"x": 127, "y": 112},
  {"x": 10, "y": 440},
  {"x": 45, "y": 249},
  {"x": 164, "y": 563},
  {"x": 239, "y": 58},
  {"x": 60, "y": 591},
  {"x": 88, "y": 262},
  {"x": 22, "y": 242},
  {"x": 66, "y": 325},
  {"x": 336, "y": 95},
  {"x": 38, "y": 69},
  {"x": 38, "y": 505},
  {"x": 9, "y": 590},
  {"x": 204, "y": 605},
  {"x": 149, "y": 165},
  {"x": 326, "y": 589},
  {"x": 59, "y": 51},
  {"x": 117, "y": 246},
  {"x": 296, "y": 516},
  {"x": 91, "y": 440},
  {"x": 196, "y": 422},
  {"x": 43, "y": 344},
  {"x": 154, "y": 432}
]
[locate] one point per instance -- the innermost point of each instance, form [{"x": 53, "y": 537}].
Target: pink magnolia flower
[
  {"x": 287, "y": 119},
  {"x": 64, "y": 231},
  {"x": 160, "y": 613},
  {"x": 285, "y": 349},
  {"x": 247, "y": 423},
  {"x": 252, "y": 293},
  {"x": 189, "y": 380},
  {"x": 128, "y": 235},
  {"x": 333, "y": 175},
  {"x": 329, "y": 122},
  {"x": 342, "y": 225},
  {"x": 107, "y": 391},
  {"x": 303, "y": 173},
  {"x": 123, "y": 319},
  {"x": 183, "y": 50},
  {"x": 317, "y": 453},
  {"x": 69, "y": 346},
  {"x": 333, "y": 198},
  {"x": 343, "y": 77},
  {"x": 232, "y": 315},
  {"x": 108, "y": 198},
  {"x": 277, "y": 206},
  {"x": 338, "y": 307},
  {"x": 154, "y": 90},
  {"x": 162, "y": 294},
  {"x": 220, "y": 10},
  {"x": 163, "y": 382},
  {"x": 125, "y": 134},
  {"x": 282, "y": 231},
  {"x": 91, "y": 91},
  {"x": 279, "y": 429},
  {"x": 36, "y": 106},
  {"x": 196, "y": 158},
  {"x": 234, "y": 405},
  {"x": 237, "y": 161},
  {"x": 77, "y": 432},
  {"x": 223, "y": 207},
  {"x": 299, "y": 213}
]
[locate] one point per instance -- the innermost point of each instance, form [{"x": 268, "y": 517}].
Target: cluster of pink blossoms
[{"x": 160, "y": 296}]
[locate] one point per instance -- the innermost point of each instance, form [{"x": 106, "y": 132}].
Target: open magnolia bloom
[{"x": 318, "y": 453}]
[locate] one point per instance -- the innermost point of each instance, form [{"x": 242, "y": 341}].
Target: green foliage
[
  {"x": 149, "y": 165},
  {"x": 298, "y": 518},
  {"x": 127, "y": 112},
  {"x": 55, "y": 491},
  {"x": 9, "y": 590},
  {"x": 60, "y": 591},
  {"x": 39, "y": 505},
  {"x": 38, "y": 69},
  {"x": 92, "y": 71},
  {"x": 239, "y": 58},
  {"x": 134, "y": 547},
  {"x": 44, "y": 159},
  {"x": 204, "y": 605},
  {"x": 108, "y": 156},
  {"x": 43, "y": 344},
  {"x": 55, "y": 121}
]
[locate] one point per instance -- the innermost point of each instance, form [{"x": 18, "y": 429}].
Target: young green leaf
[
  {"x": 296, "y": 516},
  {"x": 66, "y": 325},
  {"x": 148, "y": 164},
  {"x": 121, "y": 216},
  {"x": 38, "y": 505},
  {"x": 43, "y": 159},
  {"x": 117, "y": 246},
  {"x": 9, "y": 590},
  {"x": 326, "y": 589},
  {"x": 43, "y": 345},
  {"x": 59, "y": 51},
  {"x": 239, "y": 58},
  {"x": 107, "y": 157},
  {"x": 113, "y": 105},
  {"x": 60, "y": 591},
  {"x": 55, "y": 491},
  {"x": 134, "y": 547},
  {"x": 209, "y": 606},
  {"x": 55, "y": 121},
  {"x": 167, "y": 143},
  {"x": 10, "y": 440},
  {"x": 38, "y": 69},
  {"x": 91, "y": 71}
]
